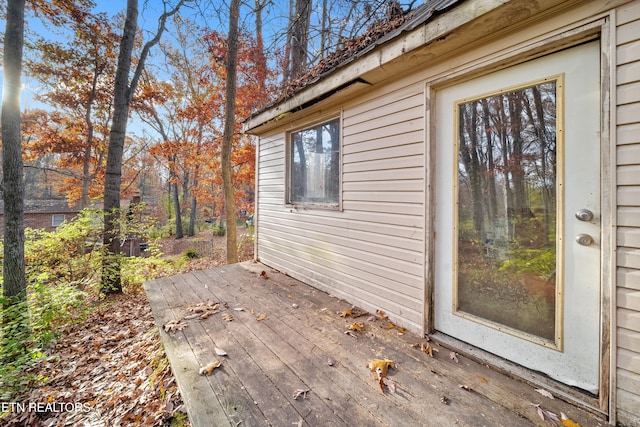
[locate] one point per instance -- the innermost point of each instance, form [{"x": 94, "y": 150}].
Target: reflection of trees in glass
[
  {"x": 315, "y": 163},
  {"x": 507, "y": 208},
  {"x": 507, "y": 164}
]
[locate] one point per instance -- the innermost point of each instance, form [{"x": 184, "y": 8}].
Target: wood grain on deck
[{"x": 269, "y": 360}]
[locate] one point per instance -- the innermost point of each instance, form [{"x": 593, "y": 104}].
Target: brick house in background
[{"x": 45, "y": 214}]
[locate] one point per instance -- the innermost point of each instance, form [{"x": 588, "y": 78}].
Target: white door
[{"x": 518, "y": 214}]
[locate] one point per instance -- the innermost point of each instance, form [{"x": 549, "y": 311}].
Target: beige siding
[
  {"x": 372, "y": 251},
  {"x": 628, "y": 200}
]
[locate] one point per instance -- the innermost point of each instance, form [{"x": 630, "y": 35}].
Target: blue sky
[{"x": 274, "y": 18}]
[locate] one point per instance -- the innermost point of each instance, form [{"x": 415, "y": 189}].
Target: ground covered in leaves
[{"x": 109, "y": 370}]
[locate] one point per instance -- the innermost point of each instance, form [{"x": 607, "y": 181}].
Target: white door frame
[{"x": 597, "y": 29}]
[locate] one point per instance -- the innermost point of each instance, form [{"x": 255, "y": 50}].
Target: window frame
[
  {"x": 59, "y": 223},
  {"x": 332, "y": 205}
]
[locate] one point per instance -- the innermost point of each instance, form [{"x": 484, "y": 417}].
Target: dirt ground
[{"x": 211, "y": 249}]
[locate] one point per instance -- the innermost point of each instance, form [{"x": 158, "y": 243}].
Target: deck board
[{"x": 269, "y": 360}]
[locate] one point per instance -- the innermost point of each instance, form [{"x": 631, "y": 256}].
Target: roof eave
[{"x": 379, "y": 57}]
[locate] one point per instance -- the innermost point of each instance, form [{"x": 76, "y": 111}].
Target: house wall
[
  {"x": 372, "y": 253},
  {"x": 627, "y": 36},
  {"x": 39, "y": 221}
]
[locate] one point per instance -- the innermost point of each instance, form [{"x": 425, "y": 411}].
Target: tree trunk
[
  {"x": 262, "y": 59},
  {"x": 491, "y": 167},
  {"x": 176, "y": 206},
  {"x": 227, "y": 138},
  {"x": 192, "y": 217},
  {"x": 14, "y": 285},
  {"x": 86, "y": 163},
  {"x": 123, "y": 92},
  {"x": 300, "y": 37},
  {"x": 111, "y": 280},
  {"x": 194, "y": 204},
  {"x": 286, "y": 72}
]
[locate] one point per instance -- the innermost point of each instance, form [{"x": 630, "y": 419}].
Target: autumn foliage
[{"x": 191, "y": 126}]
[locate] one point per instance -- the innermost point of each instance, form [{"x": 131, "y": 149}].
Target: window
[
  {"x": 314, "y": 165},
  {"x": 57, "y": 219}
]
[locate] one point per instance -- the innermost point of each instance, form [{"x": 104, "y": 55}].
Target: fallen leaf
[
  {"x": 346, "y": 313},
  {"x": 301, "y": 392},
  {"x": 391, "y": 386},
  {"x": 426, "y": 348},
  {"x": 261, "y": 317},
  {"x": 545, "y": 393},
  {"x": 357, "y": 326},
  {"x": 191, "y": 316},
  {"x": 207, "y": 370},
  {"x": 389, "y": 325},
  {"x": 228, "y": 317},
  {"x": 174, "y": 325},
  {"x": 484, "y": 380},
  {"x": 400, "y": 330},
  {"x": 263, "y": 274},
  {"x": 567, "y": 422},
  {"x": 381, "y": 315},
  {"x": 382, "y": 364},
  {"x": 220, "y": 352},
  {"x": 548, "y": 415},
  {"x": 350, "y": 333},
  {"x": 453, "y": 356}
]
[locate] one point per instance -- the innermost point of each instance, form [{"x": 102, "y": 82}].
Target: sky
[{"x": 149, "y": 11}]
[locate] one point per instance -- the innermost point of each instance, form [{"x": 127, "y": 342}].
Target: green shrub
[
  {"x": 536, "y": 262},
  {"x": 29, "y": 326},
  {"x": 219, "y": 228},
  {"x": 137, "y": 270},
  {"x": 191, "y": 254},
  {"x": 70, "y": 254}
]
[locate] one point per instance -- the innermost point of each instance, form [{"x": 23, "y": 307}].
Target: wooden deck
[{"x": 270, "y": 360}]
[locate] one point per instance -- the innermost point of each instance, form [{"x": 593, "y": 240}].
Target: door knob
[
  {"x": 584, "y": 239},
  {"x": 584, "y": 215}
]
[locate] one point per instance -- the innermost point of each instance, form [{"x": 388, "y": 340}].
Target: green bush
[
  {"x": 536, "y": 262},
  {"x": 29, "y": 326},
  {"x": 61, "y": 266},
  {"x": 70, "y": 254},
  {"x": 219, "y": 228},
  {"x": 191, "y": 254}
]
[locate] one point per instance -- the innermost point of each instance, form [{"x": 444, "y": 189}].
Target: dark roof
[
  {"x": 378, "y": 34},
  {"x": 45, "y": 206}
]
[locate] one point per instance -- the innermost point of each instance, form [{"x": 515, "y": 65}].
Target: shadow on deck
[{"x": 291, "y": 348}]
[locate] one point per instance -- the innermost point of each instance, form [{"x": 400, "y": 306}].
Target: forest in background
[{"x": 172, "y": 147}]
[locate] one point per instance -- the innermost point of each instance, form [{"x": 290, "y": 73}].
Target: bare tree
[
  {"x": 123, "y": 93},
  {"x": 227, "y": 138},
  {"x": 298, "y": 38},
  {"x": 14, "y": 284}
]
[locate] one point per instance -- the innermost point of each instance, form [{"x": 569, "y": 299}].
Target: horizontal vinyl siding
[
  {"x": 371, "y": 252},
  {"x": 628, "y": 214}
]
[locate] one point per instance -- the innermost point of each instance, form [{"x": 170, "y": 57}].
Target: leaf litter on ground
[{"x": 121, "y": 378}]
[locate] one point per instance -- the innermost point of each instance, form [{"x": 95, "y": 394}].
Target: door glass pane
[{"x": 507, "y": 209}]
